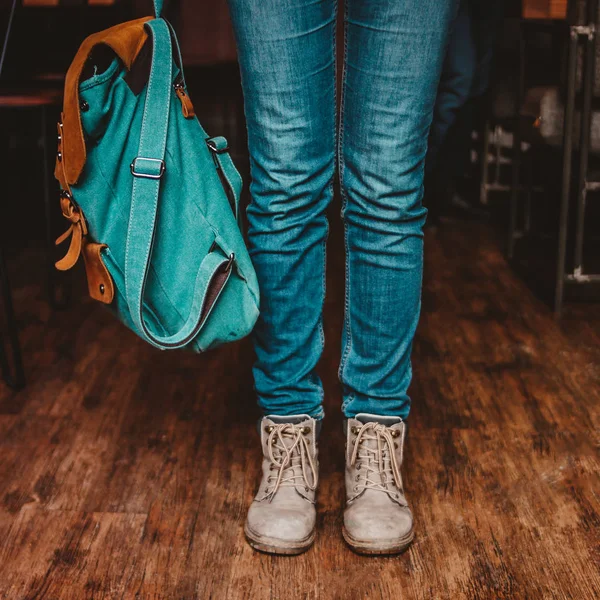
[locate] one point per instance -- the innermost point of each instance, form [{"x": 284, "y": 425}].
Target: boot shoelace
[
  {"x": 293, "y": 461},
  {"x": 380, "y": 460}
]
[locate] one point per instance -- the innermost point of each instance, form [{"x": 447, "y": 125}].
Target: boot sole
[
  {"x": 275, "y": 546},
  {"x": 374, "y": 548}
]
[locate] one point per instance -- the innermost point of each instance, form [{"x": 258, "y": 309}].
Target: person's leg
[
  {"x": 394, "y": 54},
  {"x": 456, "y": 83},
  {"x": 453, "y": 93},
  {"x": 465, "y": 79},
  {"x": 487, "y": 18},
  {"x": 287, "y": 60}
]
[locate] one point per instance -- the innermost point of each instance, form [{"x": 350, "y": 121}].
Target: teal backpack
[{"x": 153, "y": 201}]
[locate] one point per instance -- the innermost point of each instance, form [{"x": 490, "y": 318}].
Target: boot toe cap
[
  {"x": 279, "y": 523},
  {"x": 383, "y": 526}
]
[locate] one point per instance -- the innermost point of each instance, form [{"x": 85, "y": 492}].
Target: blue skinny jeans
[{"x": 393, "y": 54}]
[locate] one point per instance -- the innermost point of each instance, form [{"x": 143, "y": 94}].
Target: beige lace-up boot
[
  {"x": 281, "y": 519},
  {"x": 377, "y": 519}
]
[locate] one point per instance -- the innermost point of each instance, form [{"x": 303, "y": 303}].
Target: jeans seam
[
  {"x": 324, "y": 276},
  {"x": 341, "y": 168}
]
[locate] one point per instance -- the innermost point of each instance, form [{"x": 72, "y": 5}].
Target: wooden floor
[{"x": 126, "y": 472}]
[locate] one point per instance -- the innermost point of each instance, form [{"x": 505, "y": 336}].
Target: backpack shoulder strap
[{"x": 147, "y": 169}]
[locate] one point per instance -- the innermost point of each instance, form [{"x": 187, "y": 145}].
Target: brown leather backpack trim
[
  {"x": 77, "y": 231},
  {"x": 100, "y": 283}
]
